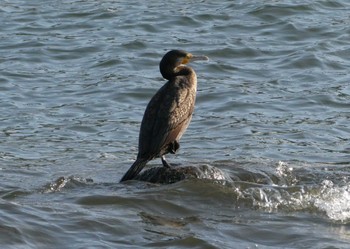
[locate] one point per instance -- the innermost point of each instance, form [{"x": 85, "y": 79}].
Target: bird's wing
[
  {"x": 179, "y": 106},
  {"x": 166, "y": 117}
]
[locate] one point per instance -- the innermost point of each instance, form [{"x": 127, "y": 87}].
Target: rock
[{"x": 165, "y": 175}]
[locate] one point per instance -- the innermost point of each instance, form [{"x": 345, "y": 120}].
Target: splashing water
[
  {"x": 334, "y": 201},
  {"x": 296, "y": 188}
]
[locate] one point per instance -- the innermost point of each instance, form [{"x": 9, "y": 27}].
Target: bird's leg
[
  {"x": 173, "y": 147},
  {"x": 165, "y": 163}
]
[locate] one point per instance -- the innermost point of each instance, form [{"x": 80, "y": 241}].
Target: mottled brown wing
[{"x": 166, "y": 117}]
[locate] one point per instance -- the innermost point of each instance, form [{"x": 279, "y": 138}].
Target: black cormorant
[{"x": 169, "y": 112}]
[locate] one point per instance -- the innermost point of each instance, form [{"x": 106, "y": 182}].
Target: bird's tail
[{"x": 135, "y": 169}]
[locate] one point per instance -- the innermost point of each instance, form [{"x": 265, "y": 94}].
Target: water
[{"x": 272, "y": 112}]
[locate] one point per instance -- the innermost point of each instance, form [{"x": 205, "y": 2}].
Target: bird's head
[{"x": 176, "y": 58}]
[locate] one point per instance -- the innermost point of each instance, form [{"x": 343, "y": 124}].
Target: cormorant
[{"x": 168, "y": 113}]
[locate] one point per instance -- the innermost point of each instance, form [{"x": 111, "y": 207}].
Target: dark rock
[{"x": 165, "y": 175}]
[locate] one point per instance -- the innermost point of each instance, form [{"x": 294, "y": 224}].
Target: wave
[{"x": 280, "y": 187}]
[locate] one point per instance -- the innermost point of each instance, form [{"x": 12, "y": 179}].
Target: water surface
[{"x": 272, "y": 112}]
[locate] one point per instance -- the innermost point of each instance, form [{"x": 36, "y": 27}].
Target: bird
[{"x": 168, "y": 113}]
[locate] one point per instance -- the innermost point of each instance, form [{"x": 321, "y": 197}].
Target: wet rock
[{"x": 165, "y": 175}]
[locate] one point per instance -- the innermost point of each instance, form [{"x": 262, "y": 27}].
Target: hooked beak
[
  {"x": 190, "y": 57},
  {"x": 199, "y": 58}
]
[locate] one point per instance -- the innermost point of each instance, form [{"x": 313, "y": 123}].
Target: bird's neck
[
  {"x": 189, "y": 73},
  {"x": 183, "y": 70}
]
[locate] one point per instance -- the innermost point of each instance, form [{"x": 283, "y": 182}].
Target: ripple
[
  {"x": 62, "y": 183},
  {"x": 76, "y": 76}
]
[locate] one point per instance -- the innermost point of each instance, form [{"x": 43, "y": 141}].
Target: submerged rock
[{"x": 165, "y": 175}]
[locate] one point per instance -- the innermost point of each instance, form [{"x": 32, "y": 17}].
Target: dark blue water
[{"x": 272, "y": 112}]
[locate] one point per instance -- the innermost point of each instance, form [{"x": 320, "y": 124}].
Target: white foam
[{"x": 334, "y": 201}]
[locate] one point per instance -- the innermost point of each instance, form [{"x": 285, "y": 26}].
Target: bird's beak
[
  {"x": 199, "y": 58},
  {"x": 190, "y": 57}
]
